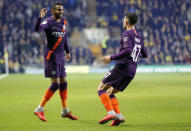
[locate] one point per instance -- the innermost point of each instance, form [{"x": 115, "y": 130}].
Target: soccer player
[
  {"x": 54, "y": 61},
  {"x": 131, "y": 48}
]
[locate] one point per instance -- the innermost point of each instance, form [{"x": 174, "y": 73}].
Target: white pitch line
[{"x": 3, "y": 76}]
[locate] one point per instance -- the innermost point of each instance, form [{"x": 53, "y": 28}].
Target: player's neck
[
  {"x": 130, "y": 27},
  {"x": 56, "y": 19}
]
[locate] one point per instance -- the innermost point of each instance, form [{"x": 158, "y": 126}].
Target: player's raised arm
[
  {"x": 44, "y": 25},
  {"x": 42, "y": 13}
]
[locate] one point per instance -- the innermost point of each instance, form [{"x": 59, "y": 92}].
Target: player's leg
[
  {"x": 115, "y": 104},
  {"x": 104, "y": 97},
  {"x": 39, "y": 111},
  {"x": 63, "y": 96},
  {"x": 125, "y": 81},
  {"x": 50, "y": 91}
]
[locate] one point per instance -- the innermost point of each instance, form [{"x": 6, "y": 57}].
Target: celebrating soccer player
[
  {"x": 54, "y": 60},
  {"x": 131, "y": 48}
]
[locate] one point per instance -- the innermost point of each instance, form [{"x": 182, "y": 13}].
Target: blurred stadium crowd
[{"x": 165, "y": 25}]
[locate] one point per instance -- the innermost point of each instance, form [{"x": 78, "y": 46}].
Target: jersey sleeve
[
  {"x": 66, "y": 47},
  {"x": 144, "y": 52},
  {"x": 40, "y": 26},
  {"x": 126, "y": 49}
]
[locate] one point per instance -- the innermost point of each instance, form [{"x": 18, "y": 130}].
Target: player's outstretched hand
[
  {"x": 43, "y": 13},
  {"x": 67, "y": 57},
  {"x": 107, "y": 59}
]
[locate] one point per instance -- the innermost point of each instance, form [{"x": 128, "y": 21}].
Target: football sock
[
  {"x": 39, "y": 109},
  {"x": 112, "y": 112},
  {"x": 115, "y": 103},
  {"x": 120, "y": 116},
  {"x": 49, "y": 93},
  {"x": 65, "y": 111},
  {"x": 63, "y": 94},
  {"x": 104, "y": 97}
]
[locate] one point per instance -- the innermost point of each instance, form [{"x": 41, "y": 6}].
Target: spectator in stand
[{"x": 166, "y": 26}]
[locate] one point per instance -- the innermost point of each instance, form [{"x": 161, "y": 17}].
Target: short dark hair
[
  {"x": 53, "y": 6},
  {"x": 132, "y": 17}
]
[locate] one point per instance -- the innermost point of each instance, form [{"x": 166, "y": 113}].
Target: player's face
[
  {"x": 125, "y": 22},
  {"x": 58, "y": 11}
]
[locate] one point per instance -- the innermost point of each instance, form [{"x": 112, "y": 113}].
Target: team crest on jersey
[
  {"x": 53, "y": 72},
  {"x": 44, "y": 22},
  {"x": 125, "y": 39}
]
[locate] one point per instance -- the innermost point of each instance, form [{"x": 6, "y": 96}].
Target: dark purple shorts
[
  {"x": 53, "y": 69},
  {"x": 118, "y": 78}
]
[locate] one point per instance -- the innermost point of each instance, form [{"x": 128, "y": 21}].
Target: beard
[{"x": 57, "y": 15}]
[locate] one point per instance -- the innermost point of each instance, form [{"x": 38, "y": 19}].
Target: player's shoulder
[
  {"x": 135, "y": 33},
  {"x": 64, "y": 20},
  {"x": 139, "y": 35},
  {"x": 126, "y": 34},
  {"x": 46, "y": 20},
  {"x": 138, "y": 38},
  {"x": 129, "y": 32},
  {"x": 49, "y": 19}
]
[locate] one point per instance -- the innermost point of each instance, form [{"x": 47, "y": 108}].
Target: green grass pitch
[{"x": 152, "y": 102}]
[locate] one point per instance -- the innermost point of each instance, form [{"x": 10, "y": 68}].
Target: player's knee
[
  {"x": 100, "y": 87},
  {"x": 54, "y": 87},
  {"x": 55, "y": 80},
  {"x": 63, "y": 80},
  {"x": 109, "y": 91},
  {"x": 63, "y": 86}
]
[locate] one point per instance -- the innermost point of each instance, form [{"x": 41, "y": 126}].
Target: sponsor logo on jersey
[
  {"x": 137, "y": 40},
  {"x": 58, "y": 34}
]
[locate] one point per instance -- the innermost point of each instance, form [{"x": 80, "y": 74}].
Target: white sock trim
[
  {"x": 65, "y": 111},
  {"x": 112, "y": 112},
  {"x": 120, "y": 116},
  {"x": 39, "y": 109}
]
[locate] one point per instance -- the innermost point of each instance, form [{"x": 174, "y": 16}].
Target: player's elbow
[
  {"x": 36, "y": 30},
  {"x": 145, "y": 55}
]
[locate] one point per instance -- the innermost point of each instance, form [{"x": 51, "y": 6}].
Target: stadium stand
[{"x": 166, "y": 30}]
